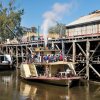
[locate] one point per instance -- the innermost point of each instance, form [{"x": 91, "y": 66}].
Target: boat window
[
  {"x": 40, "y": 70},
  {"x": 1, "y": 58},
  {"x": 5, "y": 58}
]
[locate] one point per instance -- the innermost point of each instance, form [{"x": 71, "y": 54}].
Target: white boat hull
[
  {"x": 29, "y": 72},
  {"x": 53, "y": 80}
]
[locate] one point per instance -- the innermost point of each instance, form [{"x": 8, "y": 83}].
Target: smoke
[{"x": 51, "y": 17}]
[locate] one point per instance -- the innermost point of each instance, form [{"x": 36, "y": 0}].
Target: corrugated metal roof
[{"x": 94, "y": 16}]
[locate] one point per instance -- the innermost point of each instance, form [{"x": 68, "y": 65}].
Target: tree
[
  {"x": 58, "y": 29},
  {"x": 10, "y": 19}
]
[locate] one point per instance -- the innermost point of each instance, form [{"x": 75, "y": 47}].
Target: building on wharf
[{"x": 81, "y": 44}]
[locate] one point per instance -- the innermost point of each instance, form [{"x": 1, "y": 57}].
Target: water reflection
[
  {"x": 97, "y": 93},
  {"x": 27, "y": 90},
  {"x": 37, "y": 91},
  {"x": 48, "y": 92},
  {"x": 13, "y": 88},
  {"x": 6, "y": 85}
]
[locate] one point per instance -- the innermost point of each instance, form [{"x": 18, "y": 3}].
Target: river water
[{"x": 13, "y": 88}]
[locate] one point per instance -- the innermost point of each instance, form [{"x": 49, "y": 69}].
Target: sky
[{"x": 43, "y": 12}]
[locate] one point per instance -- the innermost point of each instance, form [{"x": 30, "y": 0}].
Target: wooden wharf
[{"x": 85, "y": 50}]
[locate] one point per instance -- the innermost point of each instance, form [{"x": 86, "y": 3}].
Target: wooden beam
[
  {"x": 94, "y": 51},
  {"x": 81, "y": 70},
  {"x": 69, "y": 50},
  {"x": 81, "y": 49},
  {"x": 94, "y": 70},
  {"x": 57, "y": 47}
]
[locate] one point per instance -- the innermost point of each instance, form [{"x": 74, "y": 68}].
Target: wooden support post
[
  {"x": 31, "y": 48},
  {"x": 50, "y": 74},
  {"x": 74, "y": 52},
  {"x": 6, "y": 50},
  {"x": 38, "y": 44},
  {"x": 1, "y": 49},
  {"x": 10, "y": 51},
  {"x": 26, "y": 52},
  {"x": 63, "y": 48},
  {"x": 16, "y": 57},
  {"x": 22, "y": 52},
  {"x": 87, "y": 58}
]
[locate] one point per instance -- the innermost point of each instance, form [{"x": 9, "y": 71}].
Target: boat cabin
[
  {"x": 56, "y": 69},
  {"x": 5, "y": 59}
]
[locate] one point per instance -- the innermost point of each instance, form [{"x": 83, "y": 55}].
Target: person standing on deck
[
  {"x": 29, "y": 57},
  {"x": 61, "y": 57}
]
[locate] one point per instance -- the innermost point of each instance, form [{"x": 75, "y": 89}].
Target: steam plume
[{"x": 50, "y": 17}]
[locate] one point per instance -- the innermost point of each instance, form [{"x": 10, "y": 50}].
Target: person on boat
[
  {"x": 36, "y": 59},
  {"x": 69, "y": 72},
  {"x": 46, "y": 58},
  {"x": 65, "y": 58},
  {"x": 57, "y": 57},
  {"x": 29, "y": 57},
  {"x": 80, "y": 56},
  {"x": 52, "y": 58},
  {"x": 61, "y": 57},
  {"x": 43, "y": 58},
  {"x": 49, "y": 58}
]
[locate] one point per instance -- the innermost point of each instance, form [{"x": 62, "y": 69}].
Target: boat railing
[{"x": 67, "y": 73}]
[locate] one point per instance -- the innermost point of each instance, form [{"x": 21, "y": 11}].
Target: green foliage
[
  {"x": 10, "y": 16},
  {"x": 58, "y": 29}
]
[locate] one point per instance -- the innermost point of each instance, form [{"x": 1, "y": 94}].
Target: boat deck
[
  {"x": 54, "y": 78},
  {"x": 53, "y": 63},
  {"x": 5, "y": 64}
]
